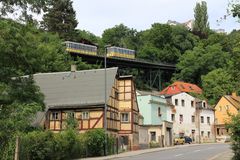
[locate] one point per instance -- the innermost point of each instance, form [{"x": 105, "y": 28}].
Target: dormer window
[
  {"x": 190, "y": 87},
  {"x": 204, "y": 104},
  {"x": 172, "y": 87}
]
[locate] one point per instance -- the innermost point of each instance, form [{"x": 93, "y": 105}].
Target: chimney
[
  {"x": 234, "y": 94},
  {"x": 73, "y": 68}
]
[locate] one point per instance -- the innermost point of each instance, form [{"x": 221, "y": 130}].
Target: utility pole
[
  {"x": 105, "y": 100},
  {"x": 199, "y": 123},
  {"x": 16, "y": 155}
]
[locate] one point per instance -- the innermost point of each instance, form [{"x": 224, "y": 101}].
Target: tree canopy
[
  {"x": 60, "y": 18},
  {"x": 201, "y": 24}
]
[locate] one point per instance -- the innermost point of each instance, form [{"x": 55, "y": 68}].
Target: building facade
[
  {"x": 228, "y": 104},
  {"x": 81, "y": 95},
  {"x": 191, "y": 117},
  {"x": 156, "y": 119}
]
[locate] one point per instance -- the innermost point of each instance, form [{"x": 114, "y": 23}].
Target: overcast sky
[{"x": 97, "y": 15}]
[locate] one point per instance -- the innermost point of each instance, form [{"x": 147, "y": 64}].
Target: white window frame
[
  {"x": 125, "y": 118},
  {"x": 85, "y": 115},
  {"x": 55, "y": 116}
]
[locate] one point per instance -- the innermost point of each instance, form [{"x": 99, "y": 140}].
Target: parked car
[
  {"x": 179, "y": 140},
  {"x": 188, "y": 139}
]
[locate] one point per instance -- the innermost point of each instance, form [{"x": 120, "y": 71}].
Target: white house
[
  {"x": 206, "y": 121},
  {"x": 191, "y": 117}
]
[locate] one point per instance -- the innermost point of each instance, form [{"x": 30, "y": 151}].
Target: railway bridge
[{"x": 154, "y": 74}]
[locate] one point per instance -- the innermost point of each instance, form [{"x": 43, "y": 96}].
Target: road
[{"x": 200, "y": 152}]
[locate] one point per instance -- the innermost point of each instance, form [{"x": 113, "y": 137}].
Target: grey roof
[
  {"x": 78, "y": 88},
  {"x": 145, "y": 93}
]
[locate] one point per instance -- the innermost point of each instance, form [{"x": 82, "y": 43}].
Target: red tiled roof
[{"x": 178, "y": 87}]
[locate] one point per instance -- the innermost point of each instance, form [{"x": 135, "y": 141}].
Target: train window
[{"x": 121, "y": 51}]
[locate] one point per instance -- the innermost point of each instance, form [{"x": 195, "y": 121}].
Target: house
[
  {"x": 205, "y": 114},
  {"x": 129, "y": 112},
  {"x": 188, "y": 24},
  {"x": 191, "y": 117},
  {"x": 179, "y": 87},
  {"x": 156, "y": 118},
  {"x": 226, "y": 106},
  {"x": 81, "y": 95}
]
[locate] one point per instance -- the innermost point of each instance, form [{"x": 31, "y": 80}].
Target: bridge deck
[{"x": 124, "y": 62}]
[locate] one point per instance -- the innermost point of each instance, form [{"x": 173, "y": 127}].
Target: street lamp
[{"x": 105, "y": 98}]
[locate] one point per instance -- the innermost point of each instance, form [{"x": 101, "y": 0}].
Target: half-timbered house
[{"x": 81, "y": 95}]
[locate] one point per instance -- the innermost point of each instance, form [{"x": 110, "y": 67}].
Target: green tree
[
  {"x": 182, "y": 39},
  {"x": 235, "y": 9},
  {"x": 10, "y": 6},
  {"x": 157, "y": 44},
  {"x": 60, "y": 17},
  {"x": 25, "y": 50},
  {"x": 120, "y": 36},
  {"x": 217, "y": 83},
  {"x": 199, "y": 61},
  {"x": 201, "y": 24}
]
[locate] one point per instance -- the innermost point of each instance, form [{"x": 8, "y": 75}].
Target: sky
[{"x": 97, "y": 15}]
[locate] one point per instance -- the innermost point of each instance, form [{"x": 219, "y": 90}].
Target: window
[
  {"x": 181, "y": 118},
  {"x": 153, "y": 136},
  {"x": 173, "y": 117},
  {"x": 111, "y": 115},
  {"x": 55, "y": 116},
  {"x": 202, "y": 133},
  {"x": 208, "y": 120},
  {"x": 192, "y": 103},
  {"x": 220, "y": 108},
  {"x": 183, "y": 103},
  {"x": 227, "y": 107},
  {"x": 176, "y": 102},
  {"x": 193, "y": 119},
  {"x": 204, "y": 104},
  {"x": 124, "y": 117},
  {"x": 116, "y": 95},
  {"x": 208, "y": 134},
  {"x": 135, "y": 118},
  {"x": 227, "y": 130},
  {"x": 71, "y": 115},
  {"x": 85, "y": 115},
  {"x": 172, "y": 87},
  {"x": 218, "y": 131},
  {"x": 202, "y": 119},
  {"x": 159, "y": 111}
]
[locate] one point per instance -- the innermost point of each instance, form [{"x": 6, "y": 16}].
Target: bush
[
  {"x": 95, "y": 142},
  {"x": 48, "y": 145},
  {"x": 36, "y": 145},
  {"x": 69, "y": 144},
  {"x": 234, "y": 127},
  {"x": 154, "y": 144}
]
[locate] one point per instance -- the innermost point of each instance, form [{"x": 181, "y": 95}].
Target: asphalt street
[{"x": 200, "y": 152}]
